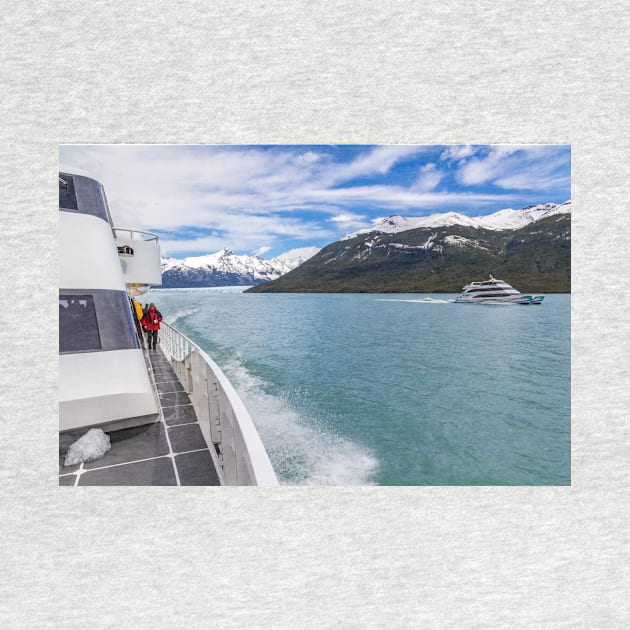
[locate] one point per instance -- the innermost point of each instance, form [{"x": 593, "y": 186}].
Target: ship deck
[{"x": 170, "y": 452}]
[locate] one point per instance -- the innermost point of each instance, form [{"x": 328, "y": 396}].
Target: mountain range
[
  {"x": 224, "y": 268},
  {"x": 507, "y": 219},
  {"x": 529, "y": 248}
]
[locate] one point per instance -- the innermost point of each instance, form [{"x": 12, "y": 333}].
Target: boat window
[
  {"x": 67, "y": 198},
  {"x": 78, "y": 329},
  {"x": 96, "y": 321},
  {"x": 507, "y": 289},
  {"x": 487, "y": 295},
  {"x": 83, "y": 195}
]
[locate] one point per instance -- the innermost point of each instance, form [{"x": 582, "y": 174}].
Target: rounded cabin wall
[
  {"x": 140, "y": 260},
  {"x": 103, "y": 375},
  {"x": 88, "y": 254}
]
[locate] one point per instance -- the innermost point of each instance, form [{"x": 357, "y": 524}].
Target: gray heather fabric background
[{"x": 303, "y": 72}]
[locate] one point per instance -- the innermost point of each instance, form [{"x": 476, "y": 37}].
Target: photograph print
[{"x": 338, "y": 315}]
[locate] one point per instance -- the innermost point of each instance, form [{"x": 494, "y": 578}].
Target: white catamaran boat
[
  {"x": 172, "y": 416},
  {"x": 495, "y": 291}
]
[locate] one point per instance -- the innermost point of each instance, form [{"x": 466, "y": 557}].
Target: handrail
[
  {"x": 224, "y": 420},
  {"x": 136, "y": 234}
]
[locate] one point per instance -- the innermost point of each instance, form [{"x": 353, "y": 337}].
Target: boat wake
[
  {"x": 180, "y": 314},
  {"x": 301, "y": 452},
  {"x": 417, "y": 301}
]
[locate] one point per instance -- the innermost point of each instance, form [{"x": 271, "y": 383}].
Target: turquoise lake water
[{"x": 393, "y": 389}]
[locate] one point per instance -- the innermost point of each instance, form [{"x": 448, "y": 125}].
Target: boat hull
[{"x": 512, "y": 299}]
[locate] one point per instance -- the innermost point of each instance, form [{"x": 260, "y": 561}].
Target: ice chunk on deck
[{"x": 93, "y": 445}]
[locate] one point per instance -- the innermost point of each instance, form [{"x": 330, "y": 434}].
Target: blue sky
[{"x": 271, "y": 199}]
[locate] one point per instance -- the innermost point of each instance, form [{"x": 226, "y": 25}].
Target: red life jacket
[{"x": 151, "y": 321}]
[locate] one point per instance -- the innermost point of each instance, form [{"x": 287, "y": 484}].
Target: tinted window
[
  {"x": 98, "y": 320},
  {"x": 67, "y": 197},
  {"x": 83, "y": 195},
  {"x": 78, "y": 329}
]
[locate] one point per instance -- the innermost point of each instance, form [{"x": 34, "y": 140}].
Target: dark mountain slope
[{"x": 535, "y": 258}]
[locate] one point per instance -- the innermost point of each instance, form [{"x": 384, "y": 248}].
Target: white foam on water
[
  {"x": 417, "y": 301},
  {"x": 177, "y": 315},
  {"x": 301, "y": 452}
]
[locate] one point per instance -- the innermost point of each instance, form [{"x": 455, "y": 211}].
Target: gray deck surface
[{"x": 166, "y": 453}]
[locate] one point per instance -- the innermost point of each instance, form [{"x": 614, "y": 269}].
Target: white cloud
[
  {"x": 169, "y": 247},
  {"x": 378, "y": 160},
  {"x": 541, "y": 175},
  {"x": 397, "y": 197},
  {"x": 232, "y": 189},
  {"x": 226, "y": 188},
  {"x": 457, "y": 152},
  {"x": 245, "y": 233},
  {"x": 262, "y": 250},
  {"x": 245, "y": 196},
  {"x": 429, "y": 178},
  {"x": 478, "y": 172},
  {"x": 347, "y": 218},
  {"x": 515, "y": 167},
  {"x": 481, "y": 170},
  {"x": 309, "y": 157}
]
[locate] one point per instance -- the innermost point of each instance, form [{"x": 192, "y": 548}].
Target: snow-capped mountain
[
  {"x": 224, "y": 268},
  {"x": 507, "y": 219},
  {"x": 443, "y": 256}
]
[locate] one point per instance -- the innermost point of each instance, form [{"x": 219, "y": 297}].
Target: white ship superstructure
[
  {"x": 494, "y": 291},
  {"x": 172, "y": 416},
  {"x": 103, "y": 375}
]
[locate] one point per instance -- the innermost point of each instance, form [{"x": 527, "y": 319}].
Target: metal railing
[
  {"x": 223, "y": 418},
  {"x": 133, "y": 234}
]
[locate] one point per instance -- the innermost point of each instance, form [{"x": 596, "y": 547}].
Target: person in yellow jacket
[
  {"x": 138, "y": 307},
  {"x": 138, "y": 315}
]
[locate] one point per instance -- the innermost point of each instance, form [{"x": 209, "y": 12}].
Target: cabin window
[
  {"x": 83, "y": 195},
  {"x": 100, "y": 320},
  {"x": 78, "y": 328},
  {"x": 67, "y": 196}
]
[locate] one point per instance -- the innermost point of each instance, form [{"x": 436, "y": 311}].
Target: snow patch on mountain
[
  {"x": 461, "y": 241},
  {"x": 507, "y": 219}
]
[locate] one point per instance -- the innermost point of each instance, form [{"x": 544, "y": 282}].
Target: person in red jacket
[{"x": 151, "y": 321}]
